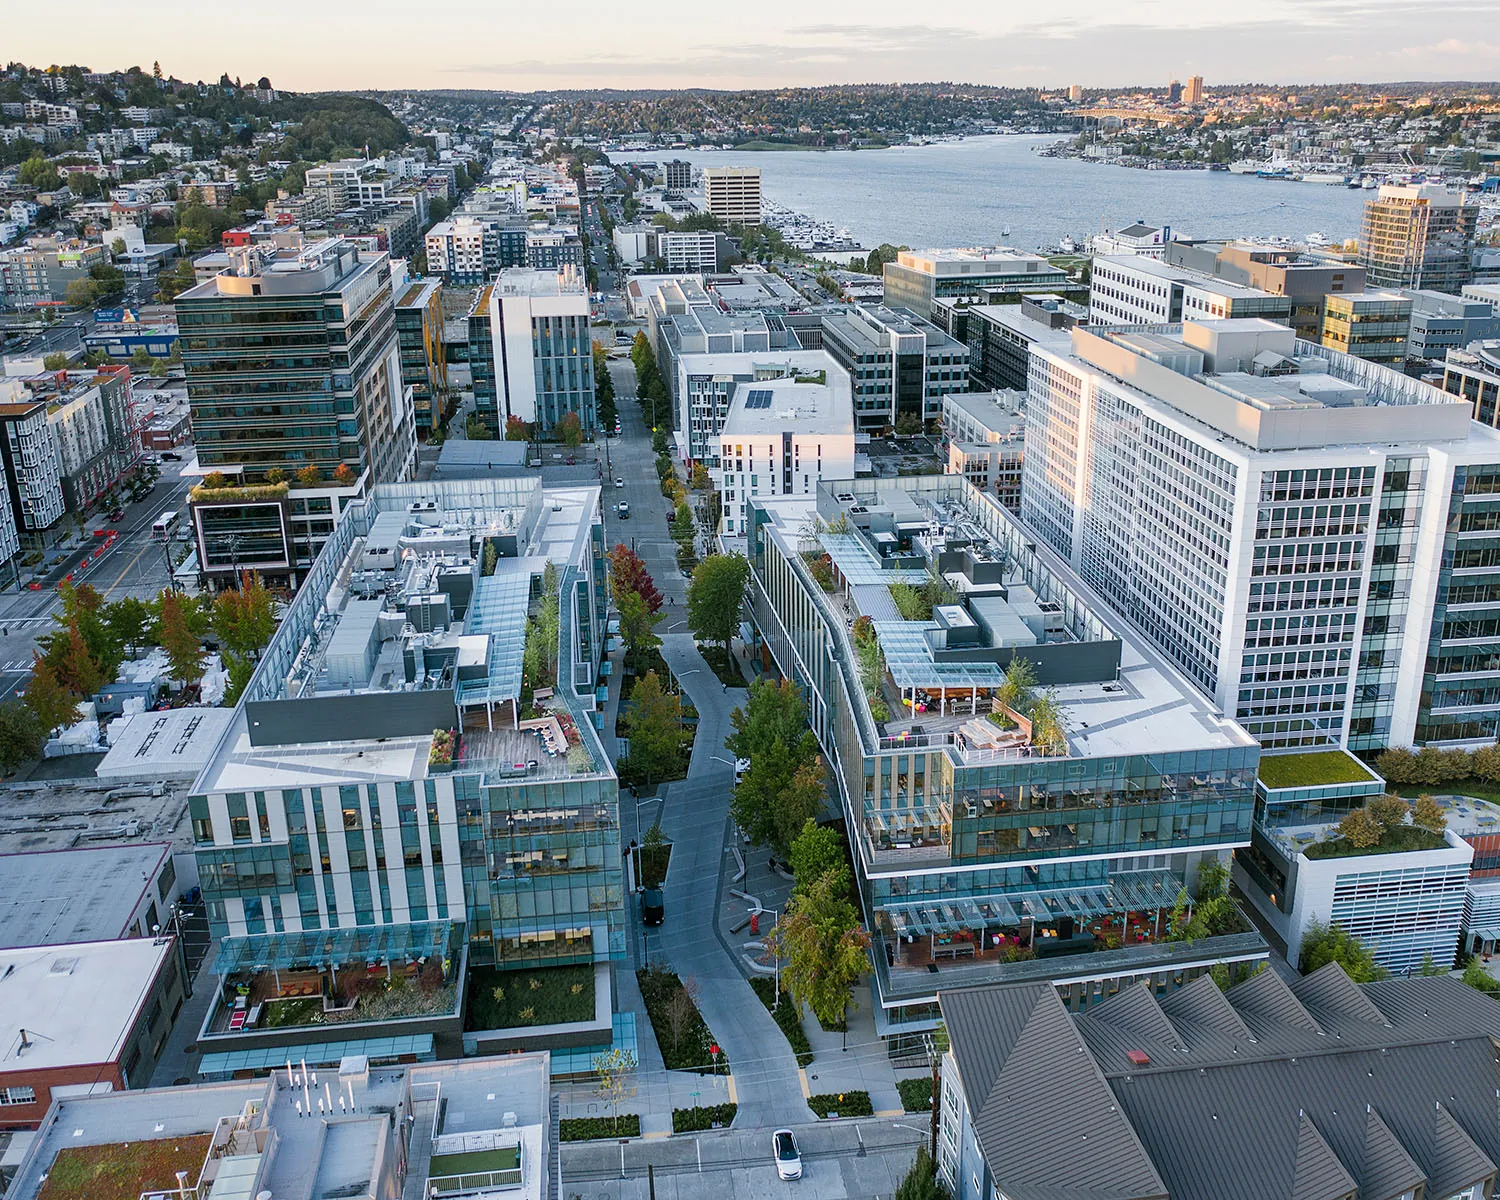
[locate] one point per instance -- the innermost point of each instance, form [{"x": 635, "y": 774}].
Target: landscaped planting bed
[
  {"x": 785, "y": 1015},
  {"x": 681, "y": 1033},
  {"x": 516, "y": 999},
  {"x": 916, "y": 1094},
  {"x": 844, "y": 1104},
  {"x": 588, "y": 1129},
  {"x": 711, "y": 1116}
]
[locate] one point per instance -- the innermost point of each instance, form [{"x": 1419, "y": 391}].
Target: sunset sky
[{"x": 675, "y": 43}]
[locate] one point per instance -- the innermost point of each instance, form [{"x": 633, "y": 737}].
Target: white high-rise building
[
  {"x": 1134, "y": 289},
  {"x": 1309, "y": 536},
  {"x": 732, "y": 194}
]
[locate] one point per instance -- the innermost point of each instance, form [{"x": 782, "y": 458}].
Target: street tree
[
  {"x": 517, "y": 430},
  {"x": 774, "y": 713},
  {"x": 817, "y": 850},
  {"x": 76, "y": 669},
  {"x": 614, "y": 1074},
  {"x": 184, "y": 650},
  {"x": 638, "y": 627},
  {"x": 22, "y": 734},
  {"x": 243, "y": 618},
  {"x": 569, "y": 430},
  {"x": 655, "y": 728},
  {"x": 715, "y": 597},
  {"x": 627, "y": 573},
  {"x": 48, "y": 697},
  {"x": 824, "y": 946},
  {"x": 129, "y": 621}
]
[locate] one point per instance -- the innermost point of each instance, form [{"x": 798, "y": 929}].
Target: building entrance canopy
[{"x": 318, "y": 948}]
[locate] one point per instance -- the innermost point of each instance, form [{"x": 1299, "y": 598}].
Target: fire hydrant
[{"x": 755, "y": 922}]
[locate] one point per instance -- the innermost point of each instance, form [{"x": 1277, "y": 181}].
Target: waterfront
[{"x": 967, "y": 193}]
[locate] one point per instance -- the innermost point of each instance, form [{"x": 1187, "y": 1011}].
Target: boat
[
  {"x": 1005, "y": 231},
  {"x": 1318, "y": 241},
  {"x": 1369, "y": 184}
]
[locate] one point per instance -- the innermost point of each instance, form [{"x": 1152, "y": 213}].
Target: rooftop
[
  {"x": 1311, "y": 769},
  {"x": 163, "y": 745},
  {"x": 541, "y": 284},
  {"x": 418, "y": 294},
  {"x": 786, "y": 406},
  {"x": 64, "y": 813},
  {"x": 963, "y": 260},
  {"x": 73, "y": 1003},
  {"x": 89, "y": 894}
]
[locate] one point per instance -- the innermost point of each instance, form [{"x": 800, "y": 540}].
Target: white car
[
  {"x": 619, "y": 483},
  {"x": 784, "y": 1149}
]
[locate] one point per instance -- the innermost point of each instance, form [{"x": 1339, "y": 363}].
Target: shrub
[
  {"x": 786, "y": 1017},
  {"x": 916, "y": 1094},
  {"x": 688, "y": 1048},
  {"x": 845, "y": 1104},
  {"x": 584, "y": 1129},
  {"x": 694, "y": 1120}
]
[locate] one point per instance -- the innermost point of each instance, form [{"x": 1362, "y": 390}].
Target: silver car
[{"x": 784, "y": 1148}]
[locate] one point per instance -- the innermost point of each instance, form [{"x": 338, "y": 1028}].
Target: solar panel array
[{"x": 759, "y": 398}]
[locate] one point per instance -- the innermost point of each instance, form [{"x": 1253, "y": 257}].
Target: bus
[{"x": 161, "y": 529}]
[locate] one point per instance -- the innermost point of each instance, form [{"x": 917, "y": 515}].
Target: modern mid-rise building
[
  {"x": 918, "y": 277},
  {"x": 1305, "y": 280},
  {"x": 676, "y": 175},
  {"x": 992, "y": 850},
  {"x": 901, "y": 365},
  {"x": 419, "y": 334},
  {"x": 1145, "y": 241},
  {"x": 1000, "y": 337},
  {"x": 91, "y": 418},
  {"x": 471, "y": 248},
  {"x": 1372, "y": 325},
  {"x": 397, "y": 788},
  {"x": 686, "y": 252},
  {"x": 1135, "y": 289},
  {"x": 1474, "y": 374},
  {"x": 530, "y": 349},
  {"x": 1418, "y": 236},
  {"x": 706, "y": 383},
  {"x": 1441, "y": 322},
  {"x": 986, "y": 434},
  {"x": 732, "y": 194},
  {"x": 782, "y": 437},
  {"x": 551, "y": 247},
  {"x": 1304, "y": 533},
  {"x": 34, "y": 499}
]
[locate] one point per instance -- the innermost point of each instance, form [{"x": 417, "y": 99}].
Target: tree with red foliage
[{"x": 628, "y": 574}]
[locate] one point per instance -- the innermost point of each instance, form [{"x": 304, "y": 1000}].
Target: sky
[{"x": 513, "y": 45}]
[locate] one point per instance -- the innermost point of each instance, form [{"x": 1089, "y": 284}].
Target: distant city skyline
[{"x": 675, "y": 44}]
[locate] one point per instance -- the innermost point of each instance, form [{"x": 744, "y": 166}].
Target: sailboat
[{"x": 1005, "y": 231}]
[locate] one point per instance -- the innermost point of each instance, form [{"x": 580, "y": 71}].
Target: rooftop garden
[
  {"x": 122, "y": 1171},
  {"x": 1386, "y": 825},
  {"x": 517, "y": 999},
  {"x": 1313, "y": 769},
  {"x": 211, "y": 489}
]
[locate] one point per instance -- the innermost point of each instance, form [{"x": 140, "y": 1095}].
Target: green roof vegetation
[
  {"x": 249, "y": 491},
  {"x": 123, "y": 1170},
  {"x": 1311, "y": 769},
  {"x": 507, "y": 1158},
  {"x": 1403, "y": 838}
]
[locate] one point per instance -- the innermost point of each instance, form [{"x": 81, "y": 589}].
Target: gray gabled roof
[
  {"x": 1200, "y": 1005},
  {"x": 1385, "y": 1168},
  {"x": 1457, "y": 1161},
  {"x": 1317, "y": 1173},
  {"x": 1265, "y": 1000},
  {"x": 1331, "y": 992}
]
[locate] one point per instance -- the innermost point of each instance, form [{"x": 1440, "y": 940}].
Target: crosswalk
[{"x": 18, "y": 664}]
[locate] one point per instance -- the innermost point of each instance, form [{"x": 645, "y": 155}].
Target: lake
[{"x": 966, "y": 193}]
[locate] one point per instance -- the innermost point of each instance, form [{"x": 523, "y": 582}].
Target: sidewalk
[
  {"x": 657, "y": 1093},
  {"x": 858, "y": 1062}
]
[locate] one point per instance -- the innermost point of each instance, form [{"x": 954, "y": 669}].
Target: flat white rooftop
[
  {"x": 786, "y": 406},
  {"x": 87, "y": 894},
  {"x": 164, "y": 745},
  {"x": 536, "y": 282},
  {"x": 76, "y": 1002}
]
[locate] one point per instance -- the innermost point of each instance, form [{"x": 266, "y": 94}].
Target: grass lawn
[
  {"x": 1310, "y": 770},
  {"x": 301, "y": 1010},
  {"x": 1406, "y": 837},
  {"x": 505, "y": 1159},
  {"x": 545, "y": 996},
  {"x": 124, "y": 1170},
  {"x": 1480, "y": 789}
]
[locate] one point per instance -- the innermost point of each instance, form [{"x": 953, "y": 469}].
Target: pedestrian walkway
[{"x": 179, "y": 1058}]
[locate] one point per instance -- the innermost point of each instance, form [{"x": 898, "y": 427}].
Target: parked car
[
  {"x": 653, "y": 907},
  {"x": 117, "y": 515},
  {"x": 788, "y": 1160},
  {"x": 170, "y": 456}
]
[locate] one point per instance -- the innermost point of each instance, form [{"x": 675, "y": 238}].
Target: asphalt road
[{"x": 843, "y": 1159}]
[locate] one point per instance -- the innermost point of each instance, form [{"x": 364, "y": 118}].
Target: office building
[
  {"x": 901, "y": 365},
  {"x": 1174, "y": 92},
  {"x": 686, "y": 253},
  {"x": 1418, "y": 236},
  {"x": 1138, "y": 290},
  {"x": 33, "y": 474},
  {"x": 1193, "y": 93},
  {"x": 986, "y": 435},
  {"x": 1474, "y": 374},
  {"x": 334, "y": 828},
  {"x": 258, "y": 409},
  {"x": 1000, "y": 337},
  {"x": 782, "y": 437},
  {"x": 1289, "y": 524},
  {"x": 1147, "y": 241},
  {"x": 1075, "y": 92},
  {"x": 676, "y": 175},
  {"x": 918, "y": 277},
  {"x": 1317, "y": 1088},
  {"x": 1441, "y": 322},
  {"x": 1305, "y": 280},
  {"x": 1372, "y": 325},
  {"x": 988, "y": 852},
  {"x": 375, "y": 1125},
  {"x": 732, "y": 194},
  {"x": 530, "y": 350},
  {"x": 424, "y": 367},
  {"x": 705, "y": 384}
]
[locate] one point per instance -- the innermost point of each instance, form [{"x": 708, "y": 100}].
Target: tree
[
  {"x": 184, "y": 650},
  {"x": 715, "y": 596},
  {"x": 308, "y": 476},
  {"x": 614, "y": 1072},
  {"x": 921, "y": 1181},
  {"x": 1479, "y": 979},
  {"x": 22, "y": 734},
  {"x": 56, "y": 361},
  {"x": 773, "y": 714},
  {"x": 243, "y": 618},
  {"x": 490, "y": 559},
  {"x": 627, "y": 573},
  {"x": 37, "y": 172},
  {"x": 818, "y": 850},
  {"x": 48, "y": 698},
  {"x": 778, "y": 793},
  {"x": 1389, "y": 811},
  {"x": 655, "y": 728},
  {"x": 825, "y": 949},
  {"x": 437, "y": 209},
  {"x": 701, "y": 478},
  {"x": 1323, "y": 944},
  {"x": 158, "y": 369},
  {"x": 344, "y": 475},
  {"x": 1049, "y": 729},
  {"x": 683, "y": 526},
  {"x": 77, "y": 670},
  {"x": 128, "y": 620},
  {"x": 477, "y": 429},
  {"x": 1016, "y": 688},
  {"x": 682, "y": 1010},
  {"x": 638, "y": 627},
  {"x": 140, "y": 359},
  {"x": 1428, "y": 814},
  {"x": 569, "y": 430},
  {"x": 517, "y": 430},
  {"x": 1360, "y": 829}
]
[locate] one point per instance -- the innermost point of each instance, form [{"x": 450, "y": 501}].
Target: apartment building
[
  {"x": 492, "y": 842},
  {"x": 705, "y": 383},
  {"x": 918, "y": 277},
  {"x": 982, "y": 853},
  {"x": 1136, "y": 290},
  {"x": 1418, "y": 236},
  {"x": 92, "y": 423},
  {"x": 676, "y": 175},
  {"x": 33, "y": 475},
  {"x": 732, "y": 194},
  {"x": 782, "y": 437},
  {"x": 691, "y": 252},
  {"x": 551, "y": 247},
  {"x": 1303, "y": 532},
  {"x": 419, "y": 336},
  {"x": 901, "y": 365},
  {"x": 472, "y": 248},
  {"x": 1372, "y": 325},
  {"x": 1000, "y": 337},
  {"x": 530, "y": 349},
  {"x": 986, "y": 435},
  {"x": 42, "y": 268}
]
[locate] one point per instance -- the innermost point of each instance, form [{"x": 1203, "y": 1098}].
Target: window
[{"x": 18, "y": 1095}]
